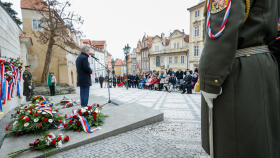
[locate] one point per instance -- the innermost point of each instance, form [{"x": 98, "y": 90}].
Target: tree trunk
[{"x": 47, "y": 61}]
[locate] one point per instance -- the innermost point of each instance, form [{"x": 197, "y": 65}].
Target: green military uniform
[
  {"x": 246, "y": 114},
  {"x": 27, "y": 77}
]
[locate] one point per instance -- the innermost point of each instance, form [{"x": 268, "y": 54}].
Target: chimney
[{"x": 163, "y": 39}]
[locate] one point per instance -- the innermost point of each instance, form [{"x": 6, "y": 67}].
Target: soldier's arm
[
  {"x": 27, "y": 82},
  {"x": 86, "y": 66},
  {"x": 218, "y": 54}
]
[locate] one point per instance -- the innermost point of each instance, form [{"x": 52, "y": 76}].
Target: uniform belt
[{"x": 251, "y": 51}]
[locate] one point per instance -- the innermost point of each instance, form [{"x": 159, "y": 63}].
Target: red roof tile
[
  {"x": 187, "y": 37},
  {"x": 33, "y": 4}
]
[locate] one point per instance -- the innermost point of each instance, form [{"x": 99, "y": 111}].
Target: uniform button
[{"x": 216, "y": 81}]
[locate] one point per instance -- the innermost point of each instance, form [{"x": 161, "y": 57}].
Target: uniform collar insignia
[{"x": 218, "y": 6}]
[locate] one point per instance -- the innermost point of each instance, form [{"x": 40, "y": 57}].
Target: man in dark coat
[
  {"x": 179, "y": 75},
  {"x": 132, "y": 80},
  {"x": 27, "y": 88},
  {"x": 187, "y": 83},
  {"x": 239, "y": 79},
  {"x": 129, "y": 80},
  {"x": 171, "y": 82},
  {"x": 106, "y": 81},
  {"x": 136, "y": 81},
  {"x": 114, "y": 81},
  {"x": 84, "y": 75},
  {"x": 101, "y": 80}
]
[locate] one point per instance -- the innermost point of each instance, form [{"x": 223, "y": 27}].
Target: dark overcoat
[
  {"x": 84, "y": 70},
  {"x": 246, "y": 114},
  {"x": 27, "y": 77}
]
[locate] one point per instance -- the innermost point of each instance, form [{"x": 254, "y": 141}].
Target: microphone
[{"x": 94, "y": 57}]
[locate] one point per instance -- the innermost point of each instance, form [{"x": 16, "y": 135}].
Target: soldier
[
  {"x": 240, "y": 77},
  {"x": 27, "y": 88}
]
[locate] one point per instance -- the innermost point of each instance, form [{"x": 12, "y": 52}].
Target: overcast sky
[{"x": 125, "y": 21}]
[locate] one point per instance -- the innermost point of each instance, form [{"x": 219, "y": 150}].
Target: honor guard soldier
[
  {"x": 27, "y": 88},
  {"x": 239, "y": 79}
]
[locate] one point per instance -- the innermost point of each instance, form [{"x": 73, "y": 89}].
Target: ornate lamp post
[
  {"x": 126, "y": 51},
  {"x": 113, "y": 66}
]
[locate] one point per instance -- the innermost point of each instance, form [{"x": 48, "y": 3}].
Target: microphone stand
[{"x": 108, "y": 71}]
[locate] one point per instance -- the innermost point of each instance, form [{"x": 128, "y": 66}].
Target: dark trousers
[
  {"x": 114, "y": 84},
  {"x": 160, "y": 86},
  {"x": 129, "y": 83},
  {"x": 188, "y": 86},
  {"x": 136, "y": 84},
  {"x": 84, "y": 94},
  {"x": 101, "y": 84},
  {"x": 52, "y": 90}
]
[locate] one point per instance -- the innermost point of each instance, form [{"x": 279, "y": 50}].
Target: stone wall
[{"x": 9, "y": 47}]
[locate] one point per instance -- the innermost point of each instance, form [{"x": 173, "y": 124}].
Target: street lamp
[
  {"x": 113, "y": 65},
  {"x": 126, "y": 51}
]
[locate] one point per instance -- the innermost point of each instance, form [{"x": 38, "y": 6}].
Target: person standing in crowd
[
  {"x": 101, "y": 80},
  {"x": 187, "y": 83},
  {"x": 27, "y": 88},
  {"x": 119, "y": 79},
  {"x": 84, "y": 75},
  {"x": 125, "y": 79},
  {"x": 172, "y": 82},
  {"x": 96, "y": 79},
  {"x": 106, "y": 81},
  {"x": 194, "y": 80},
  {"x": 179, "y": 75},
  {"x": 128, "y": 80},
  {"x": 136, "y": 81},
  {"x": 196, "y": 69},
  {"x": 239, "y": 80},
  {"x": 114, "y": 81},
  {"x": 132, "y": 81},
  {"x": 52, "y": 84}
]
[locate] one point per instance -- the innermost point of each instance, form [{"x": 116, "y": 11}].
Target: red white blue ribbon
[
  {"x": 278, "y": 38},
  {"x": 224, "y": 21}
]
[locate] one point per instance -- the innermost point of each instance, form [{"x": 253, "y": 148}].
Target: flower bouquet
[
  {"x": 84, "y": 118},
  {"x": 40, "y": 98},
  {"x": 69, "y": 102},
  {"x": 33, "y": 118},
  {"x": 45, "y": 144}
]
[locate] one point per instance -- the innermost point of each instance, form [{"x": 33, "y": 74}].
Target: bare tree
[{"x": 57, "y": 23}]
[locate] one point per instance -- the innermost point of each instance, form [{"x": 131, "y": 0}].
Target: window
[
  {"x": 178, "y": 44},
  {"x": 169, "y": 60},
  {"x": 161, "y": 60},
  {"x": 197, "y": 13},
  {"x": 176, "y": 60},
  {"x": 196, "y": 51},
  {"x": 175, "y": 45},
  {"x": 182, "y": 59},
  {"x": 196, "y": 31},
  {"x": 156, "y": 48},
  {"x": 36, "y": 24},
  {"x": 154, "y": 60}
]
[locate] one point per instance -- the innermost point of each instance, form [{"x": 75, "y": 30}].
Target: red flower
[
  {"x": 17, "y": 112},
  {"x": 65, "y": 115},
  {"x": 31, "y": 109},
  {"x": 39, "y": 125},
  {"x": 49, "y": 136},
  {"x": 22, "y": 116},
  {"x": 37, "y": 141},
  {"x": 57, "y": 111},
  {"x": 59, "y": 138},
  {"x": 16, "y": 132},
  {"x": 31, "y": 112},
  {"x": 70, "y": 122},
  {"x": 25, "y": 109},
  {"x": 78, "y": 123},
  {"x": 42, "y": 103},
  {"x": 85, "y": 114},
  {"x": 45, "y": 120},
  {"x": 77, "y": 131},
  {"x": 60, "y": 121},
  {"x": 7, "y": 128},
  {"x": 75, "y": 116},
  {"x": 89, "y": 108},
  {"x": 12, "y": 115},
  {"x": 27, "y": 119},
  {"x": 66, "y": 138},
  {"x": 53, "y": 142},
  {"x": 65, "y": 125},
  {"x": 80, "y": 113},
  {"x": 67, "y": 102},
  {"x": 31, "y": 144},
  {"x": 6, "y": 70},
  {"x": 98, "y": 105},
  {"x": 94, "y": 114}
]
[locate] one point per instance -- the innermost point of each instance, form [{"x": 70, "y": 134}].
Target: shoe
[{"x": 183, "y": 93}]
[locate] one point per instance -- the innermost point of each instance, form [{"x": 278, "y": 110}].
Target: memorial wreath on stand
[{"x": 68, "y": 103}]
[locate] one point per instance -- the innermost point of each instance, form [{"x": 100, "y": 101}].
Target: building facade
[
  {"x": 118, "y": 67},
  {"x": 134, "y": 62},
  {"x": 145, "y": 48},
  {"x": 169, "y": 52},
  {"x": 196, "y": 33},
  {"x": 62, "y": 62}
]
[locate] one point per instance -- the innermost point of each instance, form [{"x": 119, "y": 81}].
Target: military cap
[{"x": 27, "y": 66}]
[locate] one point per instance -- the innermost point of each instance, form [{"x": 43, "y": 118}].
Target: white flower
[
  {"x": 89, "y": 111},
  {"x": 37, "y": 107},
  {"x": 44, "y": 113},
  {"x": 83, "y": 110},
  {"x": 28, "y": 111},
  {"x": 25, "y": 117},
  {"x": 59, "y": 144},
  {"x": 53, "y": 136},
  {"x": 62, "y": 136},
  {"x": 39, "y": 111},
  {"x": 15, "y": 123},
  {"x": 48, "y": 141},
  {"x": 21, "y": 111},
  {"x": 26, "y": 124},
  {"x": 36, "y": 120},
  {"x": 54, "y": 112},
  {"x": 22, "y": 107},
  {"x": 50, "y": 120},
  {"x": 86, "y": 108}
]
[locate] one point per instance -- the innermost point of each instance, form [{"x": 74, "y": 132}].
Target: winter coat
[{"x": 84, "y": 70}]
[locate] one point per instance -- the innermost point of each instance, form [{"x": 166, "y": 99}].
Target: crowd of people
[{"x": 154, "y": 80}]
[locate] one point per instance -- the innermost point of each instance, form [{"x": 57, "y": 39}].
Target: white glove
[
  {"x": 209, "y": 98},
  {"x": 29, "y": 87}
]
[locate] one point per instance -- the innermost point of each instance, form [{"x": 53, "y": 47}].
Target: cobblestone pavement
[{"x": 178, "y": 136}]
